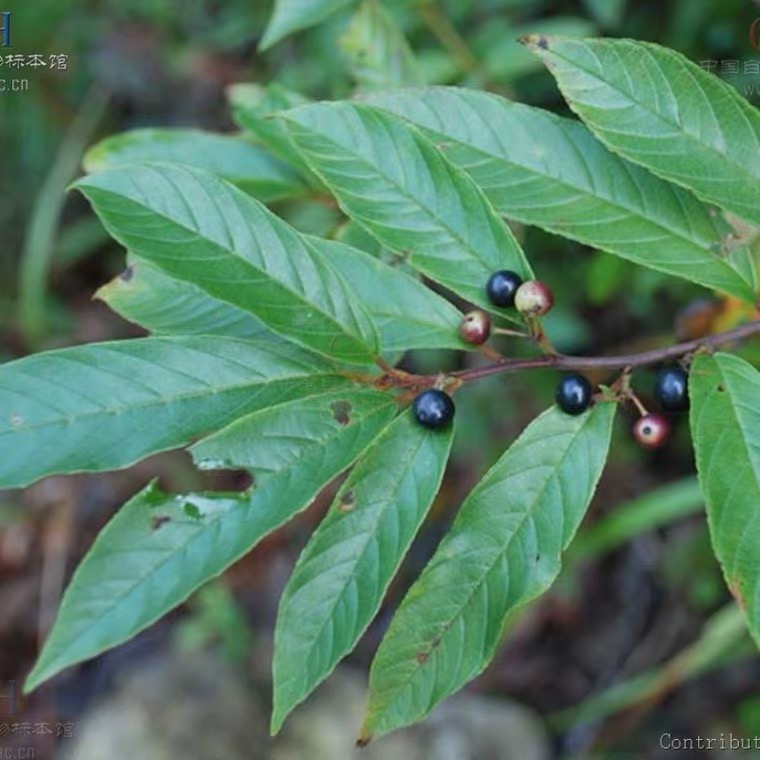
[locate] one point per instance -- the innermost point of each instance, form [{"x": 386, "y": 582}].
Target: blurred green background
[{"x": 635, "y": 641}]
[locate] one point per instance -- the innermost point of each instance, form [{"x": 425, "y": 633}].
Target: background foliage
[{"x": 143, "y": 64}]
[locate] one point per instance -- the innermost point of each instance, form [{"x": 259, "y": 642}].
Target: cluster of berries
[
  {"x": 574, "y": 395},
  {"x": 434, "y": 408},
  {"x": 506, "y": 289}
]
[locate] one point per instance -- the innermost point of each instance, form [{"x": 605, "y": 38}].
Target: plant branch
[
  {"x": 448, "y": 35},
  {"x": 560, "y": 361}
]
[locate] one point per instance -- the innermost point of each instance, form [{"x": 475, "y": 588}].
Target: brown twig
[
  {"x": 560, "y": 361},
  {"x": 400, "y": 380}
]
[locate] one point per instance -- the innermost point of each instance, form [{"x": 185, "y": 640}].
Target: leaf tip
[
  {"x": 270, "y": 37},
  {"x": 276, "y": 721},
  {"x": 35, "y": 678},
  {"x": 105, "y": 292},
  {"x": 366, "y": 732},
  {"x": 534, "y": 41},
  {"x": 94, "y": 159},
  {"x": 735, "y": 589},
  {"x": 76, "y": 184}
]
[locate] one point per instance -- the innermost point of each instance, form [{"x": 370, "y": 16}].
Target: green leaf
[
  {"x": 407, "y": 314},
  {"x": 609, "y": 13},
  {"x": 725, "y": 426},
  {"x": 303, "y": 435},
  {"x": 352, "y": 233},
  {"x": 233, "y": 158},
  {"x": 655, "y": 107},
  {"x": 547, "y": 171},
  {"x": 294, "y": 15},
  {"x": 108, "y": 405},
  {"x": 202, "y": 230},
  {"x": 253, "y": 104},
  {"x": 146, "y": 295},
  {"x": 505, "y": 59},
  {"x": 378, "y": 54},
  {"x": 160, "y": 548},
  {"x": 344, "y": 571},
  {"x": 391, "y": 179},
  {"x": 503, "y": 550}
]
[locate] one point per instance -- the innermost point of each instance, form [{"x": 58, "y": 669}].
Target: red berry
[
  {"x": 651, "y": 431},
  {"x": 475, "y": 327},
  {"x": 534, "y": 299}
]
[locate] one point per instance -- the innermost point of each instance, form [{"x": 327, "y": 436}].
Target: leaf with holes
[
  {"x": 655, "y": 107},
  {"x": 203, "y": 230},
  {"x": 503, "y": 550},
  {"x": 344, "y": 571},
  {"x": 725, "y": 426},
  {"x": 394, "y": 181},
  {"x": 541, "y": 169},
  {"x": 108, "y": 405},
  {"x": 306, "y": 434},
  {"x": 159, "y": 548}
]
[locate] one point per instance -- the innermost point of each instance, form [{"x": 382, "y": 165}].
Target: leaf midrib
[
  {"x": 528, "y": 513},
  {"x": 743, "y": 437},
  {"x": 177, "y": 549},
  {"x": 215, "y": 519},
  {"x": 454, "y": 172},
  {"x": 658, "y": 224},
  {"x": 678, "y": 127},
  {"x": 356, "y": 337},
  {"x": 370, "y": 264},
  {"x": 167, "y": 400},
  {"x": 388, "y": 502},
  {"x": 357, "y": 420}
]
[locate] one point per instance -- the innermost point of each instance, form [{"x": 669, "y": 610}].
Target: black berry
[
  {"x": 475, "y": 327},
  {"x": 502, "y": 286},
  {"x": 534, "y": 299},
  {"x": 573, "y": 394},
  {"x": 671, "y": 390},
  {"x": 651, "y": 431},
  {"x": 433, "y": 409}
]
